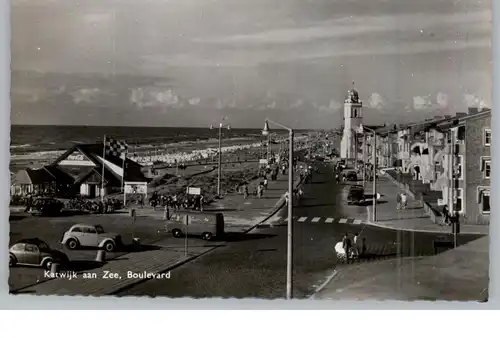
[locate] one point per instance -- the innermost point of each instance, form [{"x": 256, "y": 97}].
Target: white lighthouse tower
[{"x": 353, "y": 119}]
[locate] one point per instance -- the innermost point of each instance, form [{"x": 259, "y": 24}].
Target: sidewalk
[
  {"x": 240, "y": 216},
  {"x": 461, "y": 274},
  {"x": 414, "y": 217}
]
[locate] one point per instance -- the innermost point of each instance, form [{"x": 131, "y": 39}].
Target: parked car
[
  {"x": 204, "y": 224},
  {"x": 356, "y": 194},
  {"x": 35, "y": 252},
  {"x": 85, "y": 235},
  {"x": 46, "y": 206},
  {"x": 350, "y": 175}
]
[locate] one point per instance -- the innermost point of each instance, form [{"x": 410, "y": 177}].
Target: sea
[{"x": 27, "y": 139}]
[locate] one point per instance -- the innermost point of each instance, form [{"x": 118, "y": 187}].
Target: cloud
[
  {"x": 194, "y": 101},
  {"x": 353, "y": 26},
  {"x": 155, "y": 97},
  {"x": 333, "y": 106},
  {"x": 421, "y": 102},
  {"x": 85, "y": 95},
  {"x": 297, "y": 103},
  {"x": 376, "y": 101},
  {"x": 225, "y": 103},
  {"x": 474, "y": 101},
  {"x": 442, "y": 100}
]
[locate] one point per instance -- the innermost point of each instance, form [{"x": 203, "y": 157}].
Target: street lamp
[
  {"x": 289, "y": 257},
  {"x": 221, "y": 125},
  {"x": 374, "y": 159}
]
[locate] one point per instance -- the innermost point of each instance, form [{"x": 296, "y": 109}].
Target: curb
[{"x": 384, "y": 226}]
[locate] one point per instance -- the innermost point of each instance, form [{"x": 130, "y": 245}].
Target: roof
[
  {"x": 94, "y": 152},
  {"x": 33, "y": 176}
]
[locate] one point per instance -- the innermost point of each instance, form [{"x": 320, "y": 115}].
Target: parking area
[{"x": 51, "y": 230}]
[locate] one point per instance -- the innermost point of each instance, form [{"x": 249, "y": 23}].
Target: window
[
  {"x": 487, "y": 137},
  {"x": 484, "y": 199},
  {"x": 458, "y": 172},
  {"x": 459, "y": 197},
  {"x": 89, "y": 230},
  {"x": 31, "y": 248},
  {"x": 18, "y": 247},
  {"x": 486, "y": 166},
  {"x": 76, "y": 229}
]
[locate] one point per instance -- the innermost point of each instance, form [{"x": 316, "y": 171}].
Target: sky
[{"x": 194, "y": 62}]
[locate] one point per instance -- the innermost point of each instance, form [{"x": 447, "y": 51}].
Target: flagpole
[
  {"x": 103, "y": 164},
  {"x": 123, "y": 176}
]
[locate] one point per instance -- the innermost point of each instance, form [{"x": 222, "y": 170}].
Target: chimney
[{"x": 473, "y": 110}]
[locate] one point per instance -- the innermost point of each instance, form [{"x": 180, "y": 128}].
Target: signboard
[
  {"x": 77, "y": 159},
  {"x": 193, "y": 191},
  {"x": 136, "y": 188},
  {"x": 263, "y": 161}
]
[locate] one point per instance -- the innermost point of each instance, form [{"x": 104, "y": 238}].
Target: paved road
[{"x": 255, "y": 265}]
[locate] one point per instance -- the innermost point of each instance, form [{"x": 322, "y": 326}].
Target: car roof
[
  {"x": 33, "y": 240},
  {"x": 84, "y": 225}
]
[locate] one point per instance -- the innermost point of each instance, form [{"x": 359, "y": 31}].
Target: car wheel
[
  {"x": 109, "y": 246},
  {"x": 72, "y": 244},
  {"x": 47, "y": 264},
  {"x": 176, "y": 233},
  {"x": 206, "y": 236},
  {"x": 12, "y": 261}
]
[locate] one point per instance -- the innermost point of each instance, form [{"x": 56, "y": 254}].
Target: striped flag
[{"x": 116, "y": 148}]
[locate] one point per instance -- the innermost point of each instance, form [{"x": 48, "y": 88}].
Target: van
[{"x": 207, "y": 225}]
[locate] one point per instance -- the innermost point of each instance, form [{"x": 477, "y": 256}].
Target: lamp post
[
  {"x": 219, "y": 167},
  {"x": 374, "y": 159},
  {"x": 289, "y": 256}
]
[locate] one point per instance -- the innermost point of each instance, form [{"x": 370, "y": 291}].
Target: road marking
[
  {"x": 315, "y": 219},
  {"x": 329, "y": 220},
  {"x": 357, "y": 221},
  {"x": 343, "y": 220},
  {"x": 325, "y": 283},
  {"x": 302, "y": 219}
]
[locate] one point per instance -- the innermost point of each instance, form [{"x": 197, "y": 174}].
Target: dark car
[
  {"x": 35, "y": 252},
  {"x": 350, "y": 175},
  {"x": 356, "y": 194},
  {"x": 46, "y": 206}
]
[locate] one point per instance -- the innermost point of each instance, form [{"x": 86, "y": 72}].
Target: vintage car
[
  {"x": 46, "y": 206},
  {"x": 204, "y": 224},
  {"x": 350, "y": 175},
  {"x": 35, "y": 252},
  {"x": 356, "y": 194},
  {"x": 85, "y": 235}
]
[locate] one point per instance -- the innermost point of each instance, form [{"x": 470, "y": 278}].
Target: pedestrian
[
  {"x": 398, "y": 202},
  {"x": 446, "y": 215},
  {"x": 259, "y": 190},
  {"x": 404, "y": 201},
  {"x": 265, "y": 183},
  {"x": 245, "y": 191},
  {"x": 355, "y": 250},
  {"x": 346, "y": 244},
  {"x": 287, "y": 198},
  {"x": 202, "y": 201},
  {"x": 283, "y": 170}
]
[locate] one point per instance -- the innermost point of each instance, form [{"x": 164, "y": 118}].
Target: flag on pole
[{"x": 116, "y": 148}]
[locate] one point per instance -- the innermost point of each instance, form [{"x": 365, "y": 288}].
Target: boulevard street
[{"x": 255, "y": 265}]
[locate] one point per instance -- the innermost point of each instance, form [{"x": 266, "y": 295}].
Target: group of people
[
  {"x": 354, "y": 248},
  {"x": 195, "y": 202}
]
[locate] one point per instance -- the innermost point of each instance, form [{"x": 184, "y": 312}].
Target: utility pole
[{"x": 374, "y": 176}]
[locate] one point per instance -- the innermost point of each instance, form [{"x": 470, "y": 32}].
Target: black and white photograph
[{"x": 324, "y": 150}]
